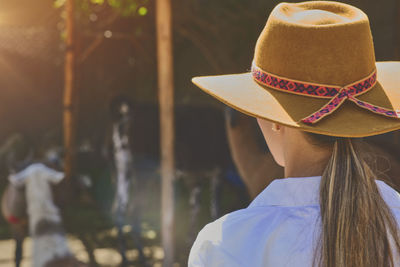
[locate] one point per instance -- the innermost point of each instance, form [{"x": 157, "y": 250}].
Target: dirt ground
[{"x": 105, "y": 257}]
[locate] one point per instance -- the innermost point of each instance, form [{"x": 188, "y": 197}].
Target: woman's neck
[
  {"x": 303, "y": 159},
  {"x": 307, "y": 169}
]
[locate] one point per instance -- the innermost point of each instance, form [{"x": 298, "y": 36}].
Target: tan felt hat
[{"x": 314, "y": 69}]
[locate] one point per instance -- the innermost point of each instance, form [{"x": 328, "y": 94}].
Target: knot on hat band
[{"x": 336, "y": 94}]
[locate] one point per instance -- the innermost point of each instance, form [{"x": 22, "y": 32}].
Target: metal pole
[{"x": 166, "y": 99}]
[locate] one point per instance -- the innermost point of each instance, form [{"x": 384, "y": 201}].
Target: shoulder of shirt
[
  {"x": 212, "y": 232},
  {"x": 216, "y": 237},
  {"x": 209, "y": 240}
]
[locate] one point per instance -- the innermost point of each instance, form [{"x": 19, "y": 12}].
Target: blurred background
[{"x": 117, "y": 117}]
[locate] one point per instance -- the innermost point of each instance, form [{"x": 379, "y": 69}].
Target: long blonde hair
[{"x": 358, "y": 227}]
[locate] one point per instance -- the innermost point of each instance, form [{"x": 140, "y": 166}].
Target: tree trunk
[
  {"x": 69, "y": 90},
  {"x": 166, "y": 98},
  {"x": 397, "y": 31}
]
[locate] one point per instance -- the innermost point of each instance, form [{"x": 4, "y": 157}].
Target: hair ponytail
[{"x": 358, "y": 228}]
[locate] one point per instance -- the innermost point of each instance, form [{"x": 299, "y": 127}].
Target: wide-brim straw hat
[{"x": 314, "y": 69}]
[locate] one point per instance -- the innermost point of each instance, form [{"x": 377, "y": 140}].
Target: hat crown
[{"x": 320, "y": 42}]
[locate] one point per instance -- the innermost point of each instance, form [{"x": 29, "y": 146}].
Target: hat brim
[{"x": 242, "y": 93}]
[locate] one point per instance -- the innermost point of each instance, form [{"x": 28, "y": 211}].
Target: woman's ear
[{"x": 276, "y": 127}]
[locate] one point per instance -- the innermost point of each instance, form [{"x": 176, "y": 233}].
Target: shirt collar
[{"x": 304, "y": 191}]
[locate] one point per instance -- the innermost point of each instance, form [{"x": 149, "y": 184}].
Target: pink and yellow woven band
[{"x": 336, "y": 94}]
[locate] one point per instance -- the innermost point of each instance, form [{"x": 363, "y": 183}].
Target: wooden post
[
  {"x": 397, "y": 31},
  {"x": 166, "y": 99},
  {"x": 69, "y": 90},
  {"x": 396, "y": 26}
]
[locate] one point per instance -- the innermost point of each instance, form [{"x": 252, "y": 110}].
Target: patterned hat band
[{"x": 336, "y": 94}]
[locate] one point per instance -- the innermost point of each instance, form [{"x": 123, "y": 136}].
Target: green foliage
[
  {"x": 63, "y": 35},
  {"x": 59, "y": 3},
  {"x": 114, "y": 3},
  {"x": 142, "y": 11},
  {"x": 98, "y": 2},
  {"x": 126, "y": 8},
  {"x": 129, "y": 9}
]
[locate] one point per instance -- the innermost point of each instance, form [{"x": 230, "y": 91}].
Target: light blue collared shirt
[{"x": 280, "y": 228}]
